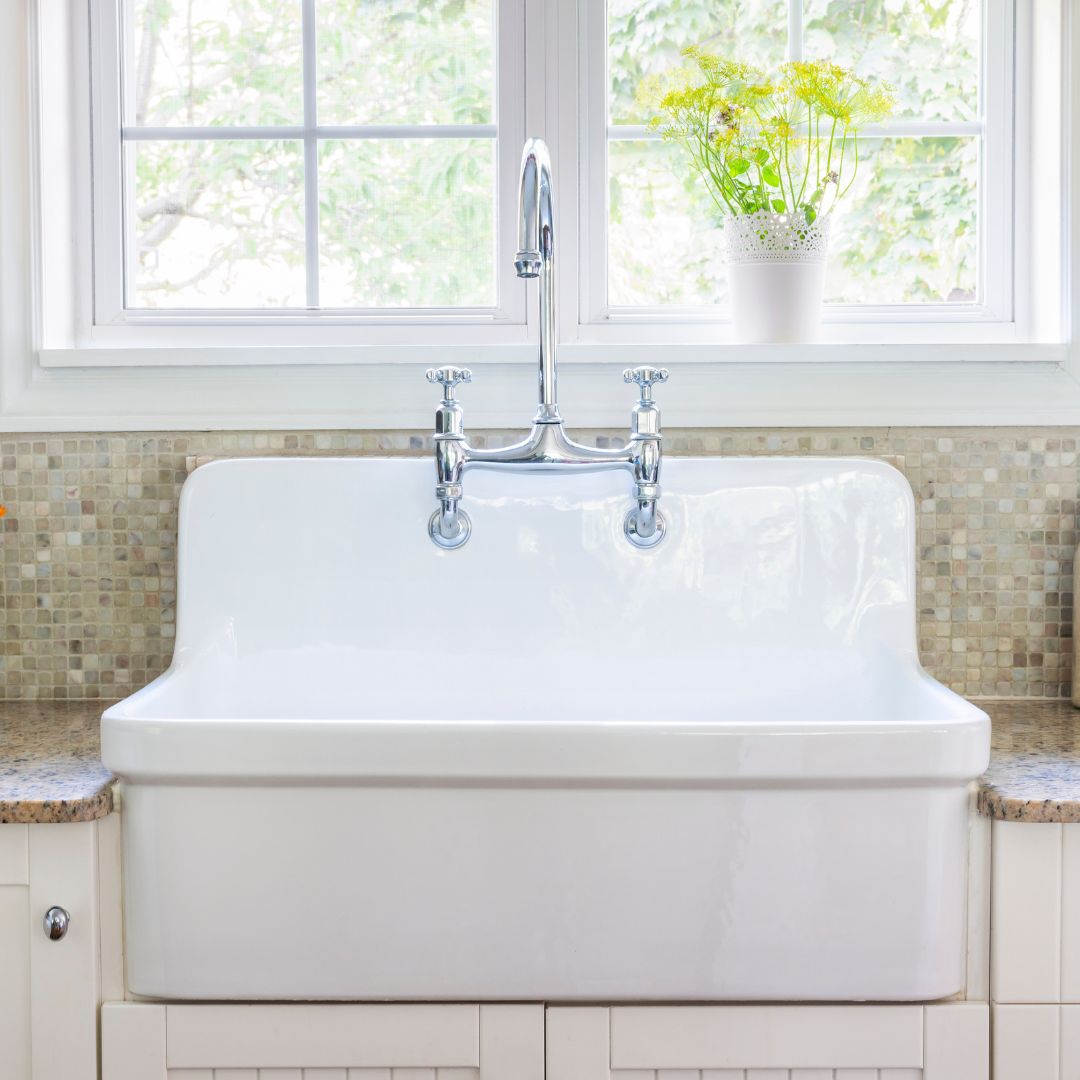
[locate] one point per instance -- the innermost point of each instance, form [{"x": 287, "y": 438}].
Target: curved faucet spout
[{"x": 535, "y": 258}]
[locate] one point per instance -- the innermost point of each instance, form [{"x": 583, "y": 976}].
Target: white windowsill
[{"x": 947, "y": 386}]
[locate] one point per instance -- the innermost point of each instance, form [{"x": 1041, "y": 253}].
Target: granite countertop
[
  {"x": 1034, "y": 772},
  {"x": 50, "y": 762},
  {"x": 51, "y": 771}
]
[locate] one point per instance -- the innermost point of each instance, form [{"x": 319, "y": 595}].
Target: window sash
[
  {"x": 562, "y": 91},
  {"x": 113, "y": 239},
  {"x": 992, "y": 317}
]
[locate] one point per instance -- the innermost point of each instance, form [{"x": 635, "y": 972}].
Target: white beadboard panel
[
  {"x": 957, "y": 1041},
  {"x": 13, "y": 857},
  {"x": 767, "y": 1074},
  {"x": 578, "y": 1044},
  {"x": 456, "y": 1074},
  {"x": 770, "y": 1036},
  {"x": 511, "y": 1043},
  {"x": 1070, "y": 913},
  {"x": 14, "y": 982},
  {"x": 369, "y": 1074},
  {"x": 1026, "y": 1040},
  {"x": 322, "y": 1074},
  {"x": 1070, "y": 1042},
  {"x": 110, "y": 908},
  {"x": 133, "y": 1042},
  {"x": 315, "y": 1036},
  {"x": 1025, "y": 950},
  {"x": 195, "y": 1074},
  {"x": 273, "y": 1074},
  {"x": 64, "y": 975},
  {"x": 413, "y": 1074},
  {"x": 978, "y": 910},
  {"x": 236, "y": 1074}
]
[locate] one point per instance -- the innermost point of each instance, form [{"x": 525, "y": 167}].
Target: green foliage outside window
[{"x": 411, "y": 222}]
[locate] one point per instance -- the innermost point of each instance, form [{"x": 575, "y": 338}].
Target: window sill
[
  {"x": 811, "y": 386},
  {"x": 625, "y": 351}
]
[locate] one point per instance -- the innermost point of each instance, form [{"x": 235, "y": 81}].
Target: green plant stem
[
  {"x": 790, "y": 179},
  {"x": 855, "y": 167},
  {"x": 837, "y": 194},
  {"x": 828, "y": 158},
  {"x": 817, "y": 144},
  {"x": 761, "y": 177},
  {"x": 806, "y": 170},
  {"x": 703, "y": 159}
]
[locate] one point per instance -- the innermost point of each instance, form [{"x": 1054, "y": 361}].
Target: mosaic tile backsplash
[{"x": 88, "y": 545}]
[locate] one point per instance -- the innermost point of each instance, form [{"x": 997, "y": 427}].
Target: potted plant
[{"x": 777, "y": 154}]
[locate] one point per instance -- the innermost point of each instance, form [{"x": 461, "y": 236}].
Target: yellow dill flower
[
  {"x": 758, "y": 141},
  {"x": 838, "y": 93}
]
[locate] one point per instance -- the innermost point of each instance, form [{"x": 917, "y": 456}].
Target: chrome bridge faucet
[{"x": 547, "y": 447}]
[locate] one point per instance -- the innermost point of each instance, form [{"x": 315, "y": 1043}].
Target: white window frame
[
  {"x": 107, "y": 320},
  {"x": 53, "y": 379},
  {"x": 994, "y": 318}
]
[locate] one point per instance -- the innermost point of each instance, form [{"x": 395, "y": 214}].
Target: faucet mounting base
[
  {"x": 630, "y": 528},
  {"x": 459, "y": 539}
]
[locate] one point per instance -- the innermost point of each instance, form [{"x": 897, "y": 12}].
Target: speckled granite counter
[
  {"x": 50, "y": 764},
  {"x": 50, "y": 768},
  {"x": 1034, "y": 772}
]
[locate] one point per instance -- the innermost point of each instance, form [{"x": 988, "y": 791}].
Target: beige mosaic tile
[{"x": 88, "y": 561}]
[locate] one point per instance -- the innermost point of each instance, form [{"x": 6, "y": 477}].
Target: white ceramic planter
[{"x": 776, "y": 271}]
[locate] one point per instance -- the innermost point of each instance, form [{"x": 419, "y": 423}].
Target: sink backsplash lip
[{"x": 88, "y": 545}]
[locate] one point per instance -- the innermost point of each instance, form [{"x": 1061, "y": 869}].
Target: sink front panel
[{"x": 550, "y": 893}]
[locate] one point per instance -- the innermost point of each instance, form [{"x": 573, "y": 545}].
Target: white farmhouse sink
[{"x": 548, "y": 765}]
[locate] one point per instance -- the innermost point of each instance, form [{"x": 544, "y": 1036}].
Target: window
[
  {"x": 342, "y": 174},
  {"x": 926, "y": 234},
  {"x": 302, "y": 157}
]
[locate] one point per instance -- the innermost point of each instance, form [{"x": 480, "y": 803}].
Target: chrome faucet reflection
[{"x": 547, "y": 446}]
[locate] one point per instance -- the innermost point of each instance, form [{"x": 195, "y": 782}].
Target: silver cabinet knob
[{"x": 56, "y": 923}]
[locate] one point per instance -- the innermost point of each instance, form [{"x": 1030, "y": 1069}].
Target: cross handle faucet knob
[
  {"x": 646, "y": 378},
  {"x": 449, "y": 377}
]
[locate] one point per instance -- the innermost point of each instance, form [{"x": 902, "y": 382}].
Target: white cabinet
[
  {"x": 322, "y": 1042},
  {"x": 142, "y": 1041},
  {"x": 50, "y": 990},
  {"x": 1035, "y": 951},
  {"x": 769, "y": 1042}
]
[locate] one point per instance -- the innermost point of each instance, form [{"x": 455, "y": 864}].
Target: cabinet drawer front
[
  {"x": 322, "y": 1042},
  {"x": 770, "y": 1042}
]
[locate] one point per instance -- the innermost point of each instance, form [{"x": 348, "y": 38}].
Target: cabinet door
[
  {"x": 14, "y": 955},
  {"x": 769, "y": 1042},
  {"x": 64, "y": 980},
  {"x": 322, "y": 1042}
]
